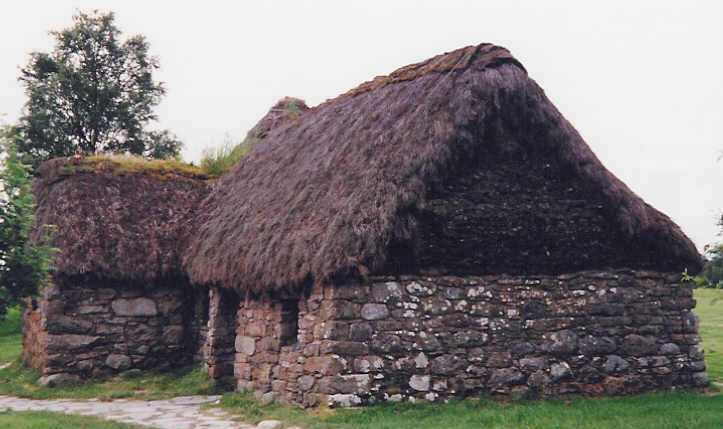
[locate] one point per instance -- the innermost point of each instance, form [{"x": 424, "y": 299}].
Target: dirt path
[{"x": 177, "y": 413}]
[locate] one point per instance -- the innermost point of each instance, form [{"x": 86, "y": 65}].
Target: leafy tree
[
  {"x": 162, "y": 145},
  {"x": 712, "y": 274},
  {"x": 24, "y": 265},
  {"x": 92, "y": 93}
]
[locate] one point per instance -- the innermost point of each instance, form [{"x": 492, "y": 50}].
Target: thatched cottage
[
  {"x": 118, "y": 300},
  {"x": 441, "y": 231}
]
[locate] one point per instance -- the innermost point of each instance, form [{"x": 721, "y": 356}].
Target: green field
[
  {"x": 10, "y": 337},
  {"x": 42, "y": 420},
  {"x": 659, "y": 411},
  {"x": 656, "y": 411},
  {"x": 710, "y": 311}
]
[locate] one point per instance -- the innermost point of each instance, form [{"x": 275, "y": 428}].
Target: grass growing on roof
[
  {"x": 219, "y": 160},
  {"x": 47, "y": 420},
  {"x": 127, "y": 164}
]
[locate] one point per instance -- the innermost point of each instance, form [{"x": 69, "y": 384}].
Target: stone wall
[
  {"x": 221, "y": 332},
  {"x": 431, "y": 338},
  {"x": 98, "y": 328},
  {"x": 280, "y": 349}
]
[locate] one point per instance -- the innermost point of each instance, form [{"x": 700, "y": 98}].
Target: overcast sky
[{"x": 641, "y": 80}]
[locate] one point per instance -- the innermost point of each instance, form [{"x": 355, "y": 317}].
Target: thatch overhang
[{"x": 325, "y": 194}]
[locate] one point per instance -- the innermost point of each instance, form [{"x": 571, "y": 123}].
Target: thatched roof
[
  {"x": 286, "y": 110},
  {"x": 327, "y": 193},
  {"x": 117, "y": 218}
]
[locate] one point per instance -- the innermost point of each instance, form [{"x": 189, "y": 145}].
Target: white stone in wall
[
  {"x": 374, "y": 311},
  {"x": 421, "y": 360},
  {"x": 344, "y": 400},
  {"x": 245, "y": 345},
  {"x": 419, "y": 383}
]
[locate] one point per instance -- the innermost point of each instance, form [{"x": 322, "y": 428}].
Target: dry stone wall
[
  {"x": 95, "y": 329},
  {"x": 431, "y": 338},
  {"x": 273, "y": 362}
]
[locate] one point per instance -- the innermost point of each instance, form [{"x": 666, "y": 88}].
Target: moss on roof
[{"x": 127, "y": 164}]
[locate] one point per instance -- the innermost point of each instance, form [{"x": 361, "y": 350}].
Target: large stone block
[
  {"x": 118, "y": 361},
  {"x": 70, "y": 342},
  {"x": 344, "y": 348},
  {"x": 560, "y": 342},
  {"x": 387, "y": 292},
  {"x": 533, "y": 363},
  {"x": 361, "y": 331},
  {"x": 68, "y": 325},
  {"x": 245, "y": 345},
  {"x": 593, "y": 345},
  {"x": 134, "y": 307},
  {"x": 323, "y": 365},
  {"x": 638, "y": 345},
  {"x": 615, "y": 364},
  {"x": 419, "y": 383},
  {"x": 305, "y": 383},
  {"x": 374, "y": 311},
  {"x": 446, "y": 364},
  {"x": 505, "y": 377},
  {"x": 335, "y": 331}
]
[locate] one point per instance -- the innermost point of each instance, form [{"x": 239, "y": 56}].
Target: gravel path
[{"x": 177, "y": 413}]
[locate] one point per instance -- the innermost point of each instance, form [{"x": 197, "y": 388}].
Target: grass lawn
[
  {"x": 10, "y": 337},
  {"x": 43, "y": 420},
  {"x": 18, "y": 381},
  {"x": 710, "y": 311},
  {"x": 659, "y": 411}
]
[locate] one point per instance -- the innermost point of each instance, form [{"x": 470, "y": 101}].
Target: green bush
[{"x": 24, "y": 264}]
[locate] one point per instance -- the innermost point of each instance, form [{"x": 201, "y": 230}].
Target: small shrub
[{"x": 219, "y": 160}]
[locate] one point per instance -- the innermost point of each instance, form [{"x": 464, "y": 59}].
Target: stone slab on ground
[{"x": 177, "y": 413}]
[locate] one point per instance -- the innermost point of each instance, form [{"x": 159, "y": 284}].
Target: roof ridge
[{"x": 488, "y": 54}]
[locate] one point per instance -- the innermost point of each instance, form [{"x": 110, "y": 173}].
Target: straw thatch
[
  {"x": 328, "y": 193},
  {"x": 117, "y": 219},
  {"x": 284, "y": 111}
]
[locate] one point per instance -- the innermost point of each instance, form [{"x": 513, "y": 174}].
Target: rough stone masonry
[
  {"x": 432, "y": 338},
  {"x": 96, "y": 329}
]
